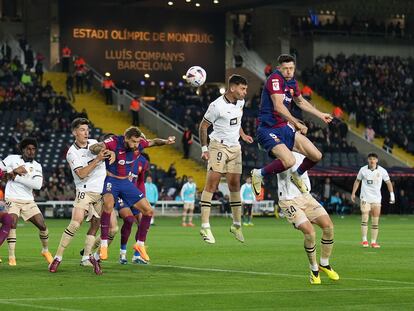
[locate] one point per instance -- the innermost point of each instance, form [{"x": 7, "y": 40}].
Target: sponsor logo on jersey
[
  {"x": 233, "y": 121},
  {"x": 275, "y": 84},
  {"x": 121, "y": 162}
]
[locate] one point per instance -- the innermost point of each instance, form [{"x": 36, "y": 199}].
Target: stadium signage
[{"x": 132, "y": 42}]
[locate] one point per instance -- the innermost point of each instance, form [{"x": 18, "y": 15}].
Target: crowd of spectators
[
  {"x": 347, "y": 26},
  {"x": 375, "y": 91}
]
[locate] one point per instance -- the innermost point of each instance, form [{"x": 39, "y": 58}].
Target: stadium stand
[{"x": 381, "y": 98}]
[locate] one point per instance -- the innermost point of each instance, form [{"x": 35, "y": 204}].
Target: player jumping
[{"x": 279, "y": 132}]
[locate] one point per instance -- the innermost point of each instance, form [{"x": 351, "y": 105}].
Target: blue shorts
[
  {"x": 124, "y": 189},
  {"x": 119, "y": 204},
  {"x": 270, "y": 137}
]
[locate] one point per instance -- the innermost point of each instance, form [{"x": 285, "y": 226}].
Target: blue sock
[
  {"x": 137, "y": 253},
  {"x": 123, "y": 247}
]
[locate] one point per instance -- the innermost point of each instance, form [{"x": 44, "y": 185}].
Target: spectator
[
  {"x": 327, "y": 191},
  {"x": 338, "y": 112},
  {"x": 39, "y": 72},
  {"x": 151, "y": 192},
  {"x": 268, "y": 70},
  {"x": 26, "y": 78},
  {"x": 134, "y": 107},
  {"x": 108, "y": 85},
  {"x": 369, "y": 134},
  {"x": 88, "y": 79},
  {"x": 388, "y": 144},
  {"x": 403, "y": 203},
  {"x": 69, "y": 88},
  {"x": 307, "y": 92},
  {"x": 187, "y": 141},
  {"x": 172, "y": 171},
  {"x": 79, "y": 78},
  {"x": 66, "y": 55}
]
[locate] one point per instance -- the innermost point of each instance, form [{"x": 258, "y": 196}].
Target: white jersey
[
  {"x": 226, "y": 119},
  {"x": 285, "y": 187},
  {"x": 371, "y": 183},
  {"x": 21, "y": 188},
  {"x": 78, "y": 157}
]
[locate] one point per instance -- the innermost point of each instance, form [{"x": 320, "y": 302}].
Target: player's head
[
  {"x": 133, "y": 136},
  {"x": 286, "y": 65},
  {"x": 249, "y": 180},
  {"x": 148, "y": 179},
  {"x": 237, "y": 87},
  {"x": 190, "y": 179},
  {"x": 372, "y": 160},
  {"x": 80, "y": 130},
  {"x": 28, "y": 146}
]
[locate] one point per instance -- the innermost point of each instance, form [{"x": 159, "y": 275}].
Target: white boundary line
[
  {"x": 243, "y": 272},
  {"x": 207, "y": 293},
  {"x": 31, "y": 306}
]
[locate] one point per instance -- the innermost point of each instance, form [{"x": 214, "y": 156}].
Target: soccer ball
[{"x": 196, "y": 76}]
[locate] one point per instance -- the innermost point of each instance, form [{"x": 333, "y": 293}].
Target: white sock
[
  {"x": 123, "y": 251},
  {"x": 104, "y": 243},
  {"x": 44, "y": 250},
  {"x": 364, "y": 239},
  {"x": 205, "y": 226},
  {"x": 373, "y": 241},
  {"x": 324, "y": 261},
  {"x": 237, "y": 223},
  {"x": 152, "y": 221},
  {"x": 85, "y": 258},
  {"x": 140, "y": 243},
  {"x": 96, "y": 255},
  {"x": 58, "y": 258},
  {"x": 314, "y": 267}
]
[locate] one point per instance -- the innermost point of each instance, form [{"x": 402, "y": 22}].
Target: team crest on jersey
[
  {"x": 121, "y": 162},
  {"x": 108, "y": 186},
  {"x": 275, "y": 84},
  {"x": 275, "y": 138}
]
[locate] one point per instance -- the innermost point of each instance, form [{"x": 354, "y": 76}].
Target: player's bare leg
[
  {"x": 129, "y": 219},
  {"x": 284, "y": 160},
  {"x": 7, "y": 222},
  {"x": 213, "y": 179},
  {"x": 310, "y": 249},
  {"x": 147, "y": 212},
  {"x": 186, "y": 208},
  {"x": 364, "y": 228},
  {"x": 67, "y": 236},
  {"x": 375, "y": 215},
  {"x": 11, "y": 240},
  {"x": 39, "y": 222},
  {"x": 233, "y": 181},
  {"x": 190, "y": 215},
  {"x": 108, "y": 207},
  {"x": 327, "y": 242},
  {"x": 304, "y": 146}
]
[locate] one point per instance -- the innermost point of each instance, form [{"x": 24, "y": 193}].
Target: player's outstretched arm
[
  {"x": 247, "y": 138},
  {"x": 303, "y": 104},
  {"x": 354, "y": 189},
  {"x": 161, "y": 142},
  {"x": 96, "y": 148},
  {"x": 391, "y": 190},
  {"x": 202, "y": 132}
]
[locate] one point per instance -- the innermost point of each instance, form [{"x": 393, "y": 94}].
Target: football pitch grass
[{"x": 268, "y": 272}]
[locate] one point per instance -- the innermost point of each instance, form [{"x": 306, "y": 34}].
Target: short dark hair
[
  {"x": 78, "y": 122},
  {"x": 237, "y": 79},
  {"x": 286, "y": 58},
  {"x": 372, "y": 155},
  {"x": 26, "y": 142},
  {"x": 132, "y": 131}
]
